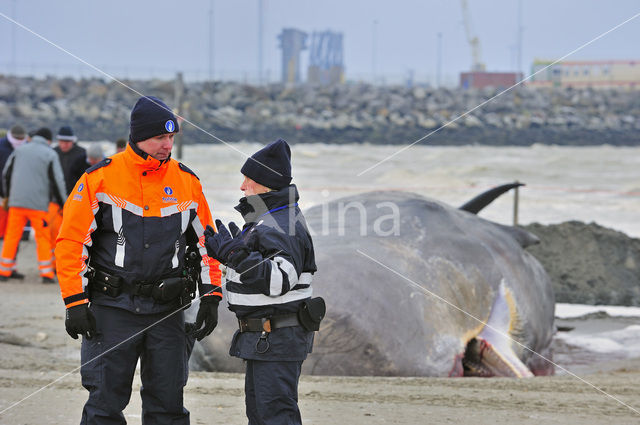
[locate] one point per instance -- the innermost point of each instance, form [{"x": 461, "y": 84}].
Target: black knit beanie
[
  {"x": 270, "y": 166},
  {"x": 66, "y": 134},
  {"x": 150, "y": 117}
]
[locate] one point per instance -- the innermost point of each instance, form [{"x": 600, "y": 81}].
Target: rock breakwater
[{"x": 348, "y": 113}]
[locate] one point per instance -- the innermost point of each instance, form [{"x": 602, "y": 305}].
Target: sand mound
[{"x": 588, "y": 263}]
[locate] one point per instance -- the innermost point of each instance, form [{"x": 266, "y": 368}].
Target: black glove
[
  {"x": 80, "y": 320},
  {"x": 235, "y": 230},
  {"x": 222, "y": 245},
  {"x": 207, "y": 315}
]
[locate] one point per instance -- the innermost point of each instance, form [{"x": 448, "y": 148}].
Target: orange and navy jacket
[{"x": 133, "y": 216}]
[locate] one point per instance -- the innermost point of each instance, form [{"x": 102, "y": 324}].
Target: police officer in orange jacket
[{"x": 120, "y": 259}]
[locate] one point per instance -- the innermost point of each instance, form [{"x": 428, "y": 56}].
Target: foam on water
[
  {"x": 568, "y": 311},
  {"x": 596, "y": 339},
  {"x": 622, "y": 342}
]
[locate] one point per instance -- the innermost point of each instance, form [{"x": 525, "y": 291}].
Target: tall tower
[{"x": 292, "y": 42}]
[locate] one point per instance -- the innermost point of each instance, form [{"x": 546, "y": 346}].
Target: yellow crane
[{"x": 474, "y": 41}]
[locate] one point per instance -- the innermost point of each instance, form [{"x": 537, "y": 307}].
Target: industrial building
[
  {"x": 326, "y": 65},
  {"x": 600, "y": 73},
  {"x": 326, "y": 57},
  {"x": 482, "y": 79}
]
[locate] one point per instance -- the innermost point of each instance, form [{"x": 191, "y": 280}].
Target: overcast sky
[{"x": 159, "y": 37}]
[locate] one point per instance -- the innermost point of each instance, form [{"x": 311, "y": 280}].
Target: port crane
[{"x": 474, "y": 41}]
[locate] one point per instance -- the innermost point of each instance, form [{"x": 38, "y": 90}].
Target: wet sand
[{"x": 36, "y": 352}]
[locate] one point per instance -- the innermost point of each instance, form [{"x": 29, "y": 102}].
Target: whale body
[{"x": 415, "y": 287}]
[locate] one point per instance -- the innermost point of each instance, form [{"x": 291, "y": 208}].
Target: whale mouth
[
  {"x": 490, "y": 353},
  {"x": 483, "y": 359}
]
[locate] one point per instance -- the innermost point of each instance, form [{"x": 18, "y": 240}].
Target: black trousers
[
  {"x": 109, "y": 361},
  {"x": 271, "y": 392}
]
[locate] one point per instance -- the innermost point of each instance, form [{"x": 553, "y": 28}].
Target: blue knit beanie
[
  {"x": 270, "y": 166},
  {"x": 150, "y": 117}
]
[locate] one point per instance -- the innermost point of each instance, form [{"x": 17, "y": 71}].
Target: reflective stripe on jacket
[
  {"x": 276, "y": 275},
  {"x": 132, "y": 216}
]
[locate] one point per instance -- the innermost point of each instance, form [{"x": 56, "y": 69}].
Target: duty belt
[
  {"x": 267, "y": 324},
  {"x": 114, "y": 285}
]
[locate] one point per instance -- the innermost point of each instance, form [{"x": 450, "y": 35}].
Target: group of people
[
  {"x": 36, "y": 179},
  {"x": 138, "y": 242}
]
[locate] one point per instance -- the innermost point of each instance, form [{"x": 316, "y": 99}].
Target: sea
[
  {"x": 590, "y": 184},
  {"x": 598, "y": 184}
]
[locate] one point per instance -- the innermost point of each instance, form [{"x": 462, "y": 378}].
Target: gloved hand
[
  {"x": 235, "y": 230},
  {"x": 207, "y": 315},
  {"x": 222, "y": 245},
  {"x": 80, "y": 320}
]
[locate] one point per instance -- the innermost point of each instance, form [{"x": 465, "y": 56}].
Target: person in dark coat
[
  {"x": 121, "y": 145},
  {"x": 73, "y": 158},
  {"x": 16, "y": 136},
  {"x": 269, "y": 269}
]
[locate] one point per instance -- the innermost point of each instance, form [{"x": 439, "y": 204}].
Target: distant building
[
  {"x": 292, "y": 42},
  {"x": 482, "y": 79},
  {"x": 602, "y": 73},
  {"x": 326, "y": 62}
]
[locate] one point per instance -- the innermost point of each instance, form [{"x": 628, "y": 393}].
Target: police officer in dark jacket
[
  {"x": 73, "y": 158},
  {"x": 269, "y": 268}
]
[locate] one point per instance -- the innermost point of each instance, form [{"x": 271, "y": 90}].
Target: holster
[
  {"x": 311, "y": 313},
  {"x": 163, "y": 291},
  {"x": 106, "y": 283},
  {"x": 168, "y": 289}
]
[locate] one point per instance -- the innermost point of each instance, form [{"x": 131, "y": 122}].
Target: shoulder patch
[
  {"x": 100, "y": 164},
  {"x": 186, "y": 170}
]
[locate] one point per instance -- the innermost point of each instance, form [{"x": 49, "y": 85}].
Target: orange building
[{"x": 482, "y": 79}]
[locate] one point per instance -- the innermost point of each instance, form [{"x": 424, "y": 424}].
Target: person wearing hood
[
  {"x": 73, "y": 158},
  {"x": 269, "y": 269},
  {"x": 15, "y": 137},
  {"x": 31, "y": 177}
]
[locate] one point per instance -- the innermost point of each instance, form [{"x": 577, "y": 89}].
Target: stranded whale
[{"x": 415, "y": 287}]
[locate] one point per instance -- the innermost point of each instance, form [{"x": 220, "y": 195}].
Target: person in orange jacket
[
  {"x": 120, "y": 258},
  {"x": 31, "y": 177}
]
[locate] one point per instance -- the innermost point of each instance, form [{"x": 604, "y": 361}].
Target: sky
[{"x": 385, "y": 40}]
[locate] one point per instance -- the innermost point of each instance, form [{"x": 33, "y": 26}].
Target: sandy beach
[{"x": 40, "y": 364}]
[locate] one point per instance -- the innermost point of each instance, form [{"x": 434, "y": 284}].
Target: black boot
[{"x": 16, "y": 275}]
